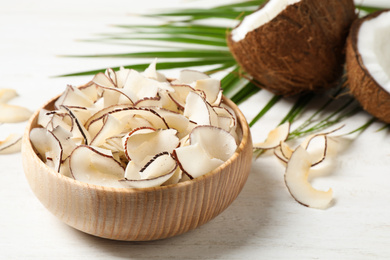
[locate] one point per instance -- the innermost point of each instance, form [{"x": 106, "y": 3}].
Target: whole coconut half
[
  {"x": 294, "y": 46},
  {"x": 368, "y": 63}
]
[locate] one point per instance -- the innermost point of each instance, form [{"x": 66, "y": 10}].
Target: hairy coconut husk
[
  {"x": 301, "y": 49},
  {"x": 373, "y": 98}
]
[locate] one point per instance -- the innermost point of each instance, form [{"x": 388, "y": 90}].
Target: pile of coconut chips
[
  {"x": 299, "y": 162},
  {"x": 139, "y": 130}
]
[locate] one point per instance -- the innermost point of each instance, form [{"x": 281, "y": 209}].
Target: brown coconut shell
[
  {"x": 300, "y": 50},
  {"x": 373, "y": 98}
]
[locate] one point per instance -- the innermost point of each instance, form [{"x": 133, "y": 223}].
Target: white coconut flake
[
  {"x": 260, "y": 17},
  {"x": 373, "y": 46}
]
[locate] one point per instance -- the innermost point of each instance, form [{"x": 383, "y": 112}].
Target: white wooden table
[{"x": 263, "y": 223}]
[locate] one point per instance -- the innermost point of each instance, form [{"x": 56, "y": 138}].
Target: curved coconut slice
[
  {"x": 161, "y": 164},
  {"x": 226, "y": 120},
  {"x": 196, "y": 167},
  {"x": 286, "y": 150},
  {"x": 64, "y": 168},
  {"x": 114, "y": 143},
  {"x": 151, "y": 73},
  {"x": 65, "y": 138},
  {"x": 72, "y": 96},
  {"x": 79, "y": 131},
  {"x": 217, "y": 142},
  {"x": 179, "y": 95},
  {"x": 283, "y": 152},
  {"x": 184, "y": 141},
  {"x": 211, "y": 146},
  {"x": 81, "y": 113},
  {"x": 89, "y": 165},
  {"x": 102, "y": 80},
  {"x": 296, "y": 181},
  {"x": 156, "y": 172},
  {"x": 150, "y": 102},
  {"x": 318, "y": 153},
  {"x": 292, "y": 46},
  {"x": 61, "y": 119},
  {"x": 168, "y": 103},
  {"x": 198, "y": 110},
  {"x": 144, "y": 143},
  {"x": 189, "y": 76},
  {"x": 100, "y": 114},
  {"x": 125, "y": 115},
  {"x": 175, "y": 178},
  {"x": 48, "y": 147},
  {"x": 6, "y": 94},
  {"x": 115, "y": 96},
  {"x": 368, "y": 63},
  {"x": 275, "y": 137},
  {"x": 11, "y": 144},
  {"x": 44, "y": 117},
  {"x": 138, "y": 86},
  {"x": 132, "y": 171},
  {"x": 111, "y": 127},
  {"x": 13, "y": 114},
  {"x": 91, "y": 91},
  {"x": 176, "y": 121},
  {"x": 212, "y": 89},
  {"x": 112, "y": 75},
  {"x": 121, "y": 76},
  {"x": 161, "y": 101}
]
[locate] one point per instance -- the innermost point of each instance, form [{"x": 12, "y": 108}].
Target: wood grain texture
[{"x": 139, "y": 214}]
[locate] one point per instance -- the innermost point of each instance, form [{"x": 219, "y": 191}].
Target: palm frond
[{"x": 204, "y": 45}]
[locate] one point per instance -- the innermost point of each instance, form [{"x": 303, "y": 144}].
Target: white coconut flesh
[
  {"x": 47, "y": 146},
  {"x": 11, "y": 113},
  {"x": 275, "y": 137},
  {"x": 156, "y": 172},
  {"x": 97, "y": 134},
  {"x": 87, "y": 164},
  {"x": 211, "y": 146},
  {"x": 264, "y": 15},
  {"x": 296, "y": 175},
  {"x": 6, "y": 94},
  {"x": 11, "y": 144},
  {"x": 374, "y": 48}
]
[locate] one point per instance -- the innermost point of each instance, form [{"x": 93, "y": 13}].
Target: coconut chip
[
  {"x": 133, "y": 129},
  {"x": 12, "y": 144},
  {"x": 274, "y": 138},
  {"x": 295, "y": 177},
  {"x": 13, "y": 113}
]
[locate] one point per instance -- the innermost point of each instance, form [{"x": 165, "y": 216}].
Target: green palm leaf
[{"x": 205, "y": 45}]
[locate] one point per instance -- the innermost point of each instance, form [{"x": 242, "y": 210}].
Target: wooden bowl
[{"x": 139, "y": 214}]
